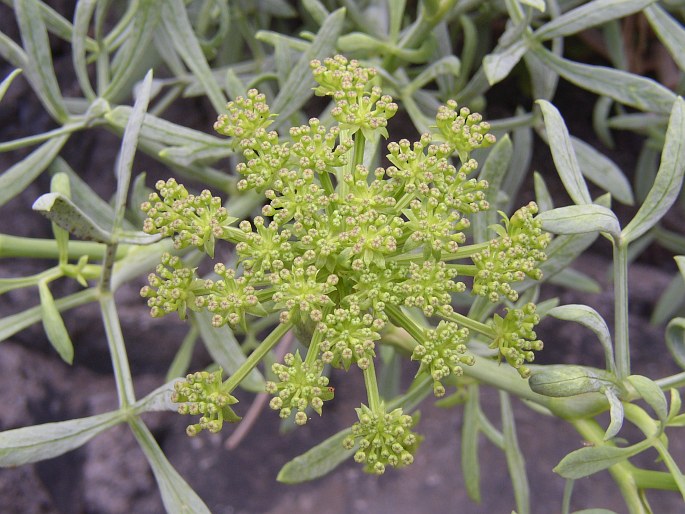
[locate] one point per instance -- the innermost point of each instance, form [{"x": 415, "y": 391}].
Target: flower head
[
  {"x": 190, "y": 220},
  {"x": 205, "y": 394},
  {"x": 515, "y": 338},
  {"x": 300, "y": 386},
  {"x": 384, "y": 439}
]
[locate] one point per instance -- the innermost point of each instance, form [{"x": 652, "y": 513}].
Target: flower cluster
[
  {"x": 443, "y": 353},
  {"x": 515, "y": 339},
  {"x": 174, "y": 288},
  {"x": 190, "y": 220},
  {"x": 205, "y": 394},
  {"x": 300, "y": 386},
  {"x": 356, "y": 107},
  {"x": 343, "y": 254},
  {"x": 513, "y": 256},
  {"x": 384, "y": 439}
]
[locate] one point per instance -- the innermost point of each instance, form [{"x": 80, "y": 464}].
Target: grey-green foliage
[{"x": 135, "y": 60}]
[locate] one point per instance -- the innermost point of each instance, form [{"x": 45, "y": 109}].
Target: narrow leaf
[
  {"x": 668, "y": 179},
  {"x": 178, "y": 497},
  {"x": 318, "y": 461},
  {"x": 62, "y": 211},
  {"x": 589, "y": 318},
  {"x": 20, "y": 175},
  {"x": 31, "y": 444},
  {"x": 669, "y": 31},
  {"x": 670, "y": 301},
  {"x": 563, "y": 154},
  {"x": 128, "y": 59},
  {"x": 589, "y": 460},
  {"x": 615, "y": 413},
  {"x": 54, "y": 325},
  {"x": 82, "y": 16},
  {"x": 542, "y": 195},
  {"x": 499, "y": 64},
  {"x": 629, "y": 89},
  {"x": 576, "y": 280},
  {"x": 129, "y": 144},
  {"x": 589, "y": 15},
  {"x": 225, "y": 350},
  {"x": 177, "y": 24},
  {"x": 298, "y": 87},
  {"x": 40, "y": 69},
  {"x": 652, "y": 394},
  {"x": 675, "y": 340},
  {"x": 580, "y": 219},
  {"x": 594, "y": 511},
  {"x": 158, "y": 400},
  {"x": 515, "y": 460},
  {"x": 7, "y": 82},
  {"x": 602, "y": 171},
  {"x": 535, "y": 4}
]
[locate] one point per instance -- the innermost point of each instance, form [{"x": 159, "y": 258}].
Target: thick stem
[
  {"x": 257, "y": 355},
  {"x": 621, "y": 330},
  {"x": 471, "y": 324},
  {"x": 16, "y": 246},
  {"x": 371, "y": 384}
]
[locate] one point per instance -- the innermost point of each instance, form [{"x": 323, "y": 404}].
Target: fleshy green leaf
[
  {"x": 128, "y": 59},
  {"x": 298, "y": 87},
  {"x": 669, "y": 31},
  {"x": 7, "y": 82},
  {"x": 589, "y": 15},
  {"x": 563, "y": 154},
  {"x": 615, "y": 413},
  {"x": 675, "y": 340},
  {"x": 668, "y": 179},
  {"x": 580, "y": 219},
  {"x": 318, "y": 461},
  {"x": 40, "y": 70},
  {"x": 54, "y": 325},
  {"x": 652, "y": 394},
  {"x": 178, "y": 497},
  {"x": 542, "y": 195},
  {"x": 20, "y": 175},
  {"x": 535, "y": 4},
  {"x": 129, "y": 144},
  {"x": 499, "y": 64},
  {"x": 515, "y": 460},
  {"x": 669, "y": 302},
  {"x": 30, "y": 444},
  {"x": 589, "y": 460},
  {"x": 590, "y": 318},
  {"x": 82, "y": 16},
  {"x": 602, "y": 171},
  {"x": 62, "y": 211},
  {"x": 577, "y": 281},
  {"x": 180, "y": 30},
  {"x": 629, "y": 89}
]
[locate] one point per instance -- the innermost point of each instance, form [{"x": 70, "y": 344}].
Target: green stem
[
  {"x": 621, "y": 331},
  {"x": 256, "y": 356},
  {"x": 649, "y": 479},
  {"x": 16, "y": 246},
  {"x": 371, "y": 384},
  {"x": 468, "y": 270},
  {"x": 358, "y": 150},
  {"x": 672, "y": 381},
  {"x": 465, "y": 251},
  {"x": 400, "y": 319},
  {"x": 622, "y": 472},
  {"x": 471, "y": 324},
  {"x": 327, "y": 182}
]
